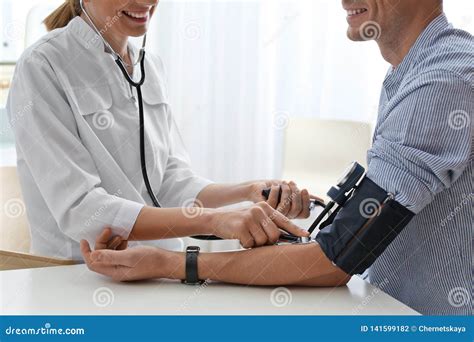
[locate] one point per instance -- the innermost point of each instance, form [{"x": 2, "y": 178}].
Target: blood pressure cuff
[{"x": 363, "y": 228}]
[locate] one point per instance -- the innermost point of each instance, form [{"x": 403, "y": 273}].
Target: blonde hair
[{"x": 63, "y": 15}]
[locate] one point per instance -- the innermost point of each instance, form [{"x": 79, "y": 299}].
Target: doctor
[{"x": 77, "y": 129}]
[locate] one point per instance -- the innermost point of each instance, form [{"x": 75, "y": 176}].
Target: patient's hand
[
  {"x": 142, "y": 262},
  {"x": 106, "y": 241}
]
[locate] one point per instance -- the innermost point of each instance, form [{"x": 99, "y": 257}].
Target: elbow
[
  {"x": 335, "y": 278},
  {"x": 342, "y": 280}
]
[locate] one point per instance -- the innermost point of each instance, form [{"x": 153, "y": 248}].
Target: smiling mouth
[
  {"x": 355, "y": 12},
  {"x": 138, "y": 16}
]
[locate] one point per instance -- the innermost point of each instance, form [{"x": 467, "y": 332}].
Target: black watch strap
[{"x": 192, "y": 278}]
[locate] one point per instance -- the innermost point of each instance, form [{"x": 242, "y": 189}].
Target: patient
[{"x": 299, "y": 264}]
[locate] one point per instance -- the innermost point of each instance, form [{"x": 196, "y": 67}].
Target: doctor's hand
[
  {"x": 255, "y": 226},
  {"x": 294, "y": 203}
]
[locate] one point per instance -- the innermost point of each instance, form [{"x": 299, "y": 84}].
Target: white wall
[{"x": 240, "y": 70}]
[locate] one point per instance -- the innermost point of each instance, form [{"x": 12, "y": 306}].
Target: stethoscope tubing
[{"x": 136, "y": 85}]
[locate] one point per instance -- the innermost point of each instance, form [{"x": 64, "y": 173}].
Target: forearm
[
  {"x": 219, "y": 195},
  {"x": 165, "y": 223},
  {"x": 272, "y": 265}
]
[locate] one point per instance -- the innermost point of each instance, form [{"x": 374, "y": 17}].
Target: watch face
[{"x": 346, "y": 174}]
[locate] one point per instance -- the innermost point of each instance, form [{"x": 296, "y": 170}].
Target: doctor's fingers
[
  {"x": 285, "y": 202},
  {"x": 282, "y": 221},
  {"x": 259, "y": 235},
  {"x": 246, "y": 239},
  {"x": 296, "y": 201},
  {"x": 268, "y": 231},
  {"x": 305, "y": 201},
  {"x": 273, "y": 196}
]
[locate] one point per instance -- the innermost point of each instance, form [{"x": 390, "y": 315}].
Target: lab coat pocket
[
  {"x": 157, "y": 115},
  {"x": 95, "y": 101},
  {"x": 154, "y": 93},
  {"x": 102, "y": 124}
]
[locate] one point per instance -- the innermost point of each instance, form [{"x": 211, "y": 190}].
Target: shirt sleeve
[
  {"x": 425, "y": 142},
  {"x": 49, "y": 144}
]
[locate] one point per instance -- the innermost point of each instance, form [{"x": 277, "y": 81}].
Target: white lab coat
[{"x": 76, "y": 125}]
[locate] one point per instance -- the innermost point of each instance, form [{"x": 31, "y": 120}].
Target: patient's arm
[{"x": 271, "y": 265}]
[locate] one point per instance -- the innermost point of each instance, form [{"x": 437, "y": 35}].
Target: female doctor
[{"x": 81, "y": 162}]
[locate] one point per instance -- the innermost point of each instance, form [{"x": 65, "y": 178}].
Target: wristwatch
[{"x": 192, "y": 278}]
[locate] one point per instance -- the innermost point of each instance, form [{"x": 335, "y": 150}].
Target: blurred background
[{"x": 259, "y": 89}]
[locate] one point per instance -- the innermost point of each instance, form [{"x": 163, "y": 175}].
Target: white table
[{"x": 74, "y": 290}]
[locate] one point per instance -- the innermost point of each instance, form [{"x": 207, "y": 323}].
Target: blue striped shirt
[{"x": 422, "y": 152}]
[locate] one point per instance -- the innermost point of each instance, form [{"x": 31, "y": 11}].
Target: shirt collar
[
  {"x": 396, "y": 75},
  {"x": 91, "y": 40}
]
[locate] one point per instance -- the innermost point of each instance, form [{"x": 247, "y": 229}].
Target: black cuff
[{"x": 369, "y": 221}]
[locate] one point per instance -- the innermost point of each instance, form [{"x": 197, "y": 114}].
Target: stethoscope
[
  {"x": 136, "y": 85},
  {"x": 339, "y": 194}
]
